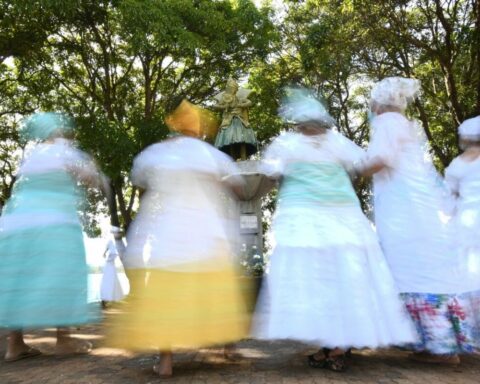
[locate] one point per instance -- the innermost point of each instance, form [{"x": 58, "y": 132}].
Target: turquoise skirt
[{"x": 43, "y": 278}]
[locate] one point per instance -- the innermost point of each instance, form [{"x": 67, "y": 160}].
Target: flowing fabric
[
  {"x": 463, "y": 180},
  {"x": 43, "y": 271},
  {"x": 328, "y": 283},
  {"x": 418, "y": 240},
  {"x": 408, "y": 205},
  {"x": 447, "y": 324},
  {"x": 179, "y": 256}
]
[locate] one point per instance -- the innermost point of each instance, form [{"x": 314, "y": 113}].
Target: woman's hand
[{"x": 370, "y": 166}]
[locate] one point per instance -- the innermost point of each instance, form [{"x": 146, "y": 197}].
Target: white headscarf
[
  {"x": 299, "y": 105},
  {"x": 470, "y": 128},
  {"x": 395, "y": 91},
  {"x": 115, "y": 230}
]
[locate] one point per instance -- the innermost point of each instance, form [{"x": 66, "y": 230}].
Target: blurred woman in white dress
[
  {"x": 110, "y": 287},
  {"x": 463, "y": 180},
  {"x": 328, "y": 283},
  {"x": 43, "y": 269},
  {"x": 179, "y": 258},
  {"x": 412, "y": 226}
]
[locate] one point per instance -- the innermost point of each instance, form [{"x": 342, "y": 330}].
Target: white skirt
[
  {"x": 465, "y": 230},
  {"x": 110, "y": 288},
  {"x": 332, "y": 297}
]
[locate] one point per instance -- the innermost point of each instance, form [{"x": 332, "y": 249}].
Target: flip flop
[{"x": 30, "y": 352}]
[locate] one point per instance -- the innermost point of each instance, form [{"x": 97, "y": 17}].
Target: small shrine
[{"x": 237, "y": 139}]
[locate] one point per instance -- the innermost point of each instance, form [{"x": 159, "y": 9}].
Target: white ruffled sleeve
[
  {"x": 389, "y": 131},
  {"x": 142, "y": 169},
  {"x": 349, "y": 153},
  {"x": 273, "y": 159}
]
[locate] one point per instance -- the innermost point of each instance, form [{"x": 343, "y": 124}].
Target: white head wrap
[
  {"x": 42, "y": 125},
  {"x": 470, "y": 127},
  {"x": 115, "y": 230},
  {"x": 300, "y": 105},
  {"x": 395, "y": 91}
]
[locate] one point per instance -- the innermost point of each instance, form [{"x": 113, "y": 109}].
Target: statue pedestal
[
  {"x": 250, "y": 207},
  {"x": 256, "y": 183}
]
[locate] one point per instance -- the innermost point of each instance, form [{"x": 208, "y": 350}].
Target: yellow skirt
[{"x": 170, "y": 309}]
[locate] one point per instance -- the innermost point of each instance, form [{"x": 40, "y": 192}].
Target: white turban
[
  {"x": 114, "y": 229},
  {"x": 299, "y": 106},
  {"x": 470, "y": 127},
  {"x": 395, "y": 91}
]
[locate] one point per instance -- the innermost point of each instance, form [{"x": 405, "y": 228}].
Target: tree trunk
[
  {"x": 477, "y": 48},
  {"x": 112, "y": 206}
]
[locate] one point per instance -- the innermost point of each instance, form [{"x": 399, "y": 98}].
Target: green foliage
[{"x": 116, "y": 66}]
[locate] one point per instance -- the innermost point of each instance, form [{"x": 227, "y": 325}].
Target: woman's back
[
  {"x": 46, "y": 189},
  {"x": 409, "y": 201},
  {"x": 184, "y": 196}
]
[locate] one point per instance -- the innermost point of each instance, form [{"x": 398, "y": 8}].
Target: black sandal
[
  {"x": 314, "y": 363},
  {"x": 336, "y": 363}
]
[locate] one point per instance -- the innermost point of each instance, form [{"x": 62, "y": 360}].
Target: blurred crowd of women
[{"x": 335, "y": 281}]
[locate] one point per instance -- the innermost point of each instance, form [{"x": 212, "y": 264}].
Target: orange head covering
[{"x": 192, "y": 120}]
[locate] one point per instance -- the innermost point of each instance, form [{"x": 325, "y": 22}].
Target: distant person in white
[{"x": 110, "y": 288}]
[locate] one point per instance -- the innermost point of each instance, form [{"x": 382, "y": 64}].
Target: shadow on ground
[{"x": 262, "y": 362}]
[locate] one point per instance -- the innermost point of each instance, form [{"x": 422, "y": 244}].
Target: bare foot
[
  {"x": 164, "y": 367},
  {"x": 20, "y": 354},
  {"x": 17, "y": 349}
]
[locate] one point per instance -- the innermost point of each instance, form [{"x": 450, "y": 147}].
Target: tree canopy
[{"x": 116, "y": 66}]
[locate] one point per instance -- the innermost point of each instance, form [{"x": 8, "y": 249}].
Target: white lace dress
[{"x": 328, "y": 283}]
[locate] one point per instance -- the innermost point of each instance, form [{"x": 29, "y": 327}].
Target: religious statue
[{"x": 235, "y": 136}]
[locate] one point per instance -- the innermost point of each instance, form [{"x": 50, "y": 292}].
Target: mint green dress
[{"x": 43, "y": 270}]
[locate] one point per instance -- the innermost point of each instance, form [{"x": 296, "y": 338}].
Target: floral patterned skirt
[{"x": 446, "y": 323}]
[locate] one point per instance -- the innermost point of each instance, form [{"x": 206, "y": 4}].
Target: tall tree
[
  {"x": 116, "y": 64},
  {"x": 435, "y": 41}
]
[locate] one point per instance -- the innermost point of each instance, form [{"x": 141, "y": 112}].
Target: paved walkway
[{"x": 263, "y": 362}]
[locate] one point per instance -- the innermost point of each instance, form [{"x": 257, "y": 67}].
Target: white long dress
[
  {"x": 179, "y": 255},
  {"x": 463, "y": 179},
  {"x": 110, "y": 288},
  {"x": 409, "y": 197},
  {"x": 328, "y": 283},
  {"x": 414, "y": 234}
]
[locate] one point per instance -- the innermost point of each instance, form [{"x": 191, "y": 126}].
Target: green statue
[{"x": 235, "y": 136}]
